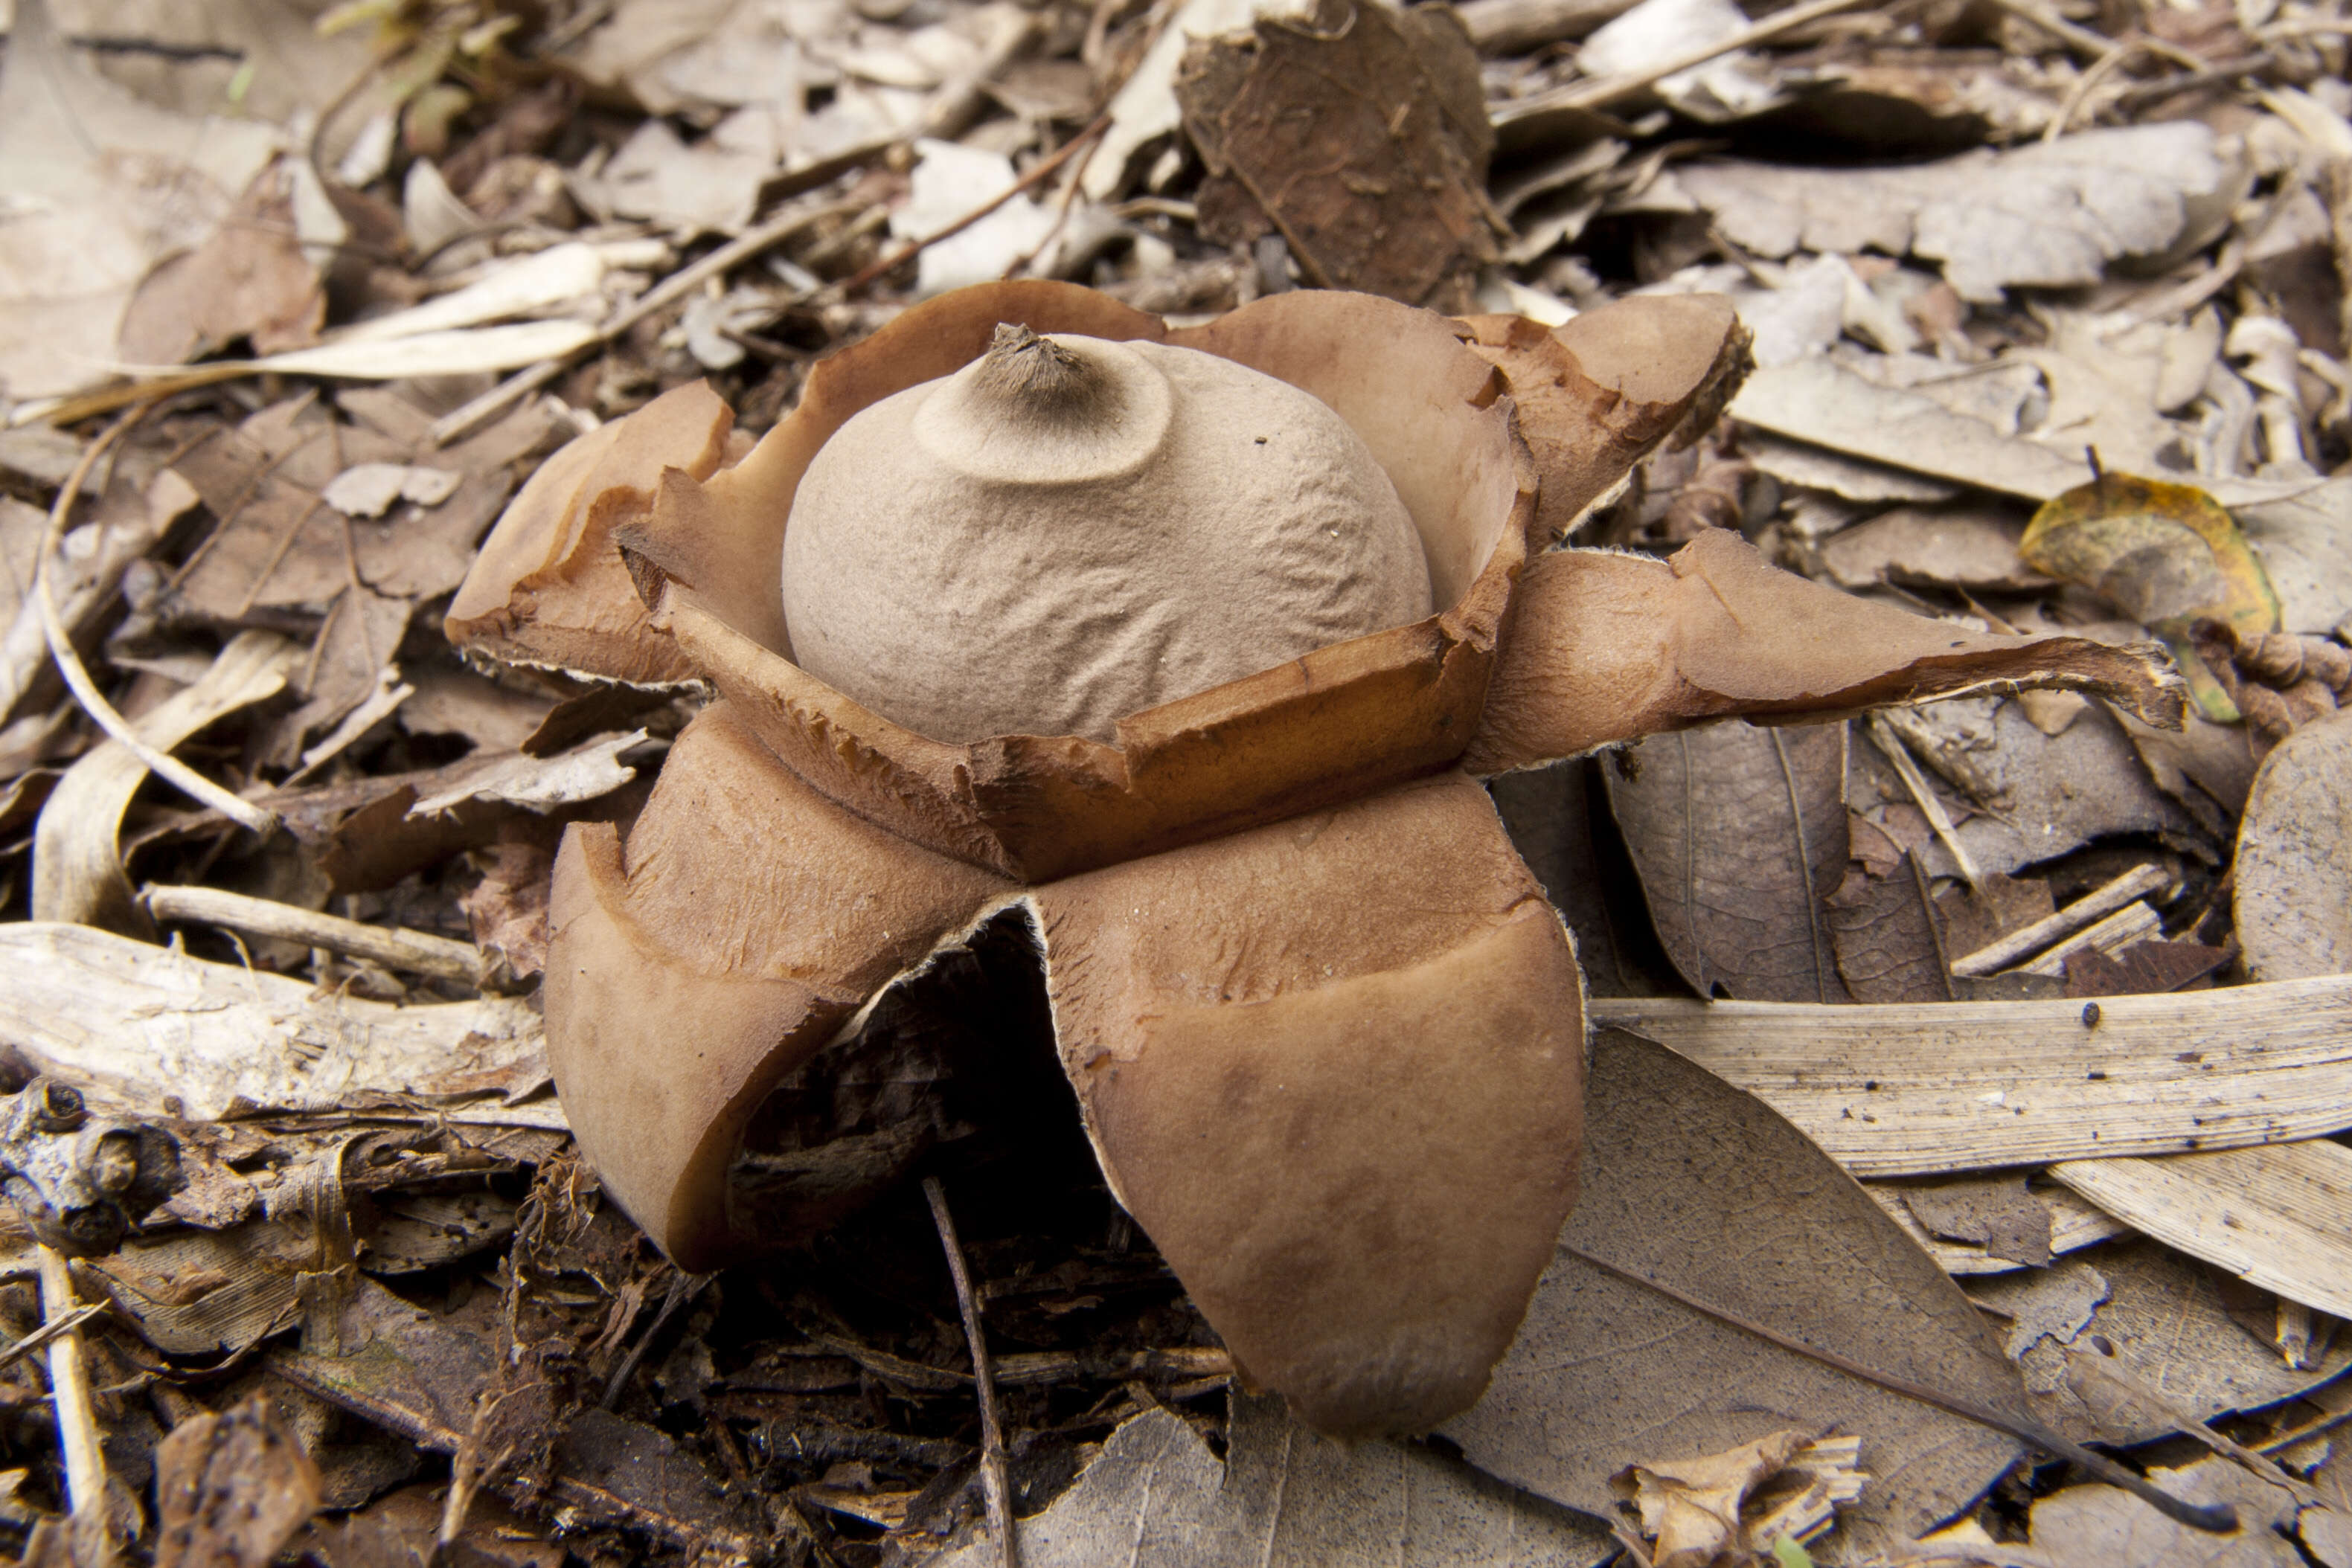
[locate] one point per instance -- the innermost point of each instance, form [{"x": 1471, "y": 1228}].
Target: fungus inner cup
[{"x": 1069, "y": 531}]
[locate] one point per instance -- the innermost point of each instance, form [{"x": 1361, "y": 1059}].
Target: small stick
[
  {"x": 668, "y": 291},
  {"x": 170, "y": 768},
  {"x": 1930, "y": 805},
  {"x": 1035, "y": 177},
  {"x": 991, "y": 1434},
  {"x": 49, "y": 1331},
  {"x": 70, "y": 1385},
  {"x": 2029, "y": 940},
  {"x": 2216, "y": 1518},
  {"x": 393, "y": 947},
  {"x": 683, "y": 1289}
]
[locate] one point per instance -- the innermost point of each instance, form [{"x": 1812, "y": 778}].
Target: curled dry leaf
[
  {"x": 2293, "y": 911},
  {"x": 1254, "y": 903},
  {"x": 1702, "y": 1511},
  {"x": 2167, "y": 555},
  {"x": 77, "y": 873}
]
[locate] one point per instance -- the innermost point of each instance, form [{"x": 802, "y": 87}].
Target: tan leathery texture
[
  {"x": 747, "y": 918},
  {"x": 1333, "y": 1067},
  {"x": 980, "y": 556},
  {"x": 548, "y": 587},
  {"x": 1598, "y": 391},
  {"x": 1334, "y": 723},
  {"x": 1605, "y": 647}
]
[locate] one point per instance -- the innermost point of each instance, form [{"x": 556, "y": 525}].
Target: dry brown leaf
[
  {"x": 253, "y": 279},
  {"x": 2142, "y": 968},
  {"x": 2105, "y": 1527},
  {"x": 2035, "y": 795},
  {"x": 193, "y": 56},
  {"x": 1888, "y": 940},
  {"x": 1547, "y": 812},
  {"x": 100, "y": 186},
  {"x": 231, "y": 1488},
  {"x": 2074, "y": 1224},
  {"x": 1362, "y": 136},
  {"x": 1972, "y": 548},
  {"x": 2043, "y": 214},
  {"x": 1738, "y": 834},
  {"x": 1730, "y": 86},
  {"x": 587, "y": 771},
  {"x": 1706, "y": 1511},
  {"x": 207, "y": 1292},
  {"x": 1155, "y": 1497},
  {"x": 2169, "y": 1328},
  {"x": 2276, "y": 1215},
  {"x": 2293, "y": 911},
  {"x": 1829, "y": 406},
  {"x": 1995, "y": 1213},
  {"x": 493, "y": 718},
  {"x": 278, "y": 545},
  {"x": 506, "y": 909},
  {"x": 1692, "y": 1183},
  {"x": 421, "y": 1375}
]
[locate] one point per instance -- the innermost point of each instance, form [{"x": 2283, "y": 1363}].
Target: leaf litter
[{"x": 388, "y": 1304}]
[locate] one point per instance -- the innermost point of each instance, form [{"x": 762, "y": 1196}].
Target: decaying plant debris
[{"x": 2048, "y": 313}]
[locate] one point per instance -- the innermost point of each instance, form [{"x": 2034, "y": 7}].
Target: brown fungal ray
[
  {"x": 547, "y": 588},
  {"x": 1334, "y": 1067},
  {"x": 1596, "y": 393},
  {"x": 1340, "y": 721},
  {"x": 1605, "y": 647},
  {"x": 742, "y": 925}
]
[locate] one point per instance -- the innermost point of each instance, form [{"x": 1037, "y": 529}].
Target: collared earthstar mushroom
[{"x": 1324, "y": 1033}]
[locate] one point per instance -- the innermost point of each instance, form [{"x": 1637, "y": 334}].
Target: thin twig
[
  {"x": 1035, "y": 177},
  {"x": 1930, "y": 805},
  {"x": 2219, "y": 1518},
  {"x": 684, "y": 1289},
  {"x": 171, "y": 769},
  {"x": 2023, "y": 944},
  {"x": 957, "y": 106},
  {"x": 994, "y": 1478},
  {"x": 77, "y": 1421},
  {"x": 668, "y": 291},
  {"x": 47, "y": 1332},
  {"x": 416, "y": 952}
]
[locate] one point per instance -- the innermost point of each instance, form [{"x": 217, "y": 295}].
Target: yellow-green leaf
[{"x": 2167, "y": 555}]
